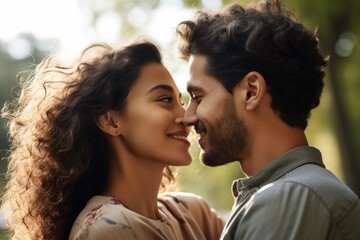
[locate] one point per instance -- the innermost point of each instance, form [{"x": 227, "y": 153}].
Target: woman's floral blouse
[{"x": 184, "y": 216}]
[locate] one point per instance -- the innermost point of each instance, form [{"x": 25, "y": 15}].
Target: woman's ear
[
  {"x": 255, "y": 87},
  {"x": 109, "y": 123}
]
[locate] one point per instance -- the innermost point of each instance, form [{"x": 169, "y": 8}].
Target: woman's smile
[{"x": 180, "y": 136}]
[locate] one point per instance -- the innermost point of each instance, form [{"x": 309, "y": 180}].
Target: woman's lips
[{"x": 180, "y": 136}]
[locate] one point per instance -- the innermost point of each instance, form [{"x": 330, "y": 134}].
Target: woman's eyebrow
[{"x": 161, "y": 86}]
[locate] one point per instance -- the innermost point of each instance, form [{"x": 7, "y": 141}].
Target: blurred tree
[
  {"x": 130, "y": 15},
  {"x": 338, "y": 23}
]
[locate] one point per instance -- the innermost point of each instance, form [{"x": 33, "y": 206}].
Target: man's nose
[{"x": 190, "y": 118}]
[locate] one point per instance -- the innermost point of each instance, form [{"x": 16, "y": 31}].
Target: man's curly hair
[{"x": 265, "y": 38}]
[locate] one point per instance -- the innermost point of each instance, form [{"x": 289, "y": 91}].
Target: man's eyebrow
[
  {"x": 161, "y": 86},
  {"x": 192, "y": 88}
]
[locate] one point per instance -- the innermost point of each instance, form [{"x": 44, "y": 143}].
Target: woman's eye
[{"x": 166, "y": 99}]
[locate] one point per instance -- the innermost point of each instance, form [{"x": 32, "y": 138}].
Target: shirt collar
[{"x": 279, "y": 167}]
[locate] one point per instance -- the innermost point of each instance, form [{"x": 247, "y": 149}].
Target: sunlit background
[{"x": 32, "y": 29}]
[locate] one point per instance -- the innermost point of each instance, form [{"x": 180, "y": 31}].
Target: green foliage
[
  {"x": 192, "y": 3},
  {"x": 3, "y": 235},
  {"x": 123, "y": 9}
]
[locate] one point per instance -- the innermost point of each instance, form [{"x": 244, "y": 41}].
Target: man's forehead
[{"x": 197, "y": 62}]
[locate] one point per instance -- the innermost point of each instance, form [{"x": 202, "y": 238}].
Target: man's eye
[{"x": 196, "y": 98}]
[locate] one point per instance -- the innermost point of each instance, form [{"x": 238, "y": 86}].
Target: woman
[{"x": 91, "y": 144}]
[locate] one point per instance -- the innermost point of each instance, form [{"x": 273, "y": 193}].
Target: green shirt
[{"x": 294, "y": 197}]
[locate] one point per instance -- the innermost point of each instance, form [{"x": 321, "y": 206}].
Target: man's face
[{"x": 212, "y": 112}]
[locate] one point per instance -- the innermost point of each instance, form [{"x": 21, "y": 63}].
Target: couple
[{"x": 92, "y": 143}]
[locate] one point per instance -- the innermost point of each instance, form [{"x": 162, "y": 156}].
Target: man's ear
[
  {"x": 255, "y": 87},
  {"x": 109, "y": 123}
]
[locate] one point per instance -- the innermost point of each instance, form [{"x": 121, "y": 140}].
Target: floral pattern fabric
[{"x": 184, "y": 216}]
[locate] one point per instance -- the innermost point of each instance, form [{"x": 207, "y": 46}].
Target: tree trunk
[
  {"x": 338, "y": 23},
  {"x": 342, "y": 130}
]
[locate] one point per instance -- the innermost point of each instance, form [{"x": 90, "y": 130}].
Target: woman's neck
[{"x": 135, "y": 183}]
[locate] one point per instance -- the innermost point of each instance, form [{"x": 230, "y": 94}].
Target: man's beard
[{"x": 227, "y": 138}]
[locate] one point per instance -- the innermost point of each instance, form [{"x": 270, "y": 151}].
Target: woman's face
[{"x": 152, "y": 119}]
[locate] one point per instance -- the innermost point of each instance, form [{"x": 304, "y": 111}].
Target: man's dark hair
[{"x": 264, "y": 38}]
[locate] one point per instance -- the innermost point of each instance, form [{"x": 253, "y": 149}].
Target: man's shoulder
[
  {"x": 311, "y": 185},
  {"x": 320, "y": 182},
  {"x": 301, "y": 198}
]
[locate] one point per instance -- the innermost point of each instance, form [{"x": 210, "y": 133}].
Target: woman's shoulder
[
  {"x": 195, "y": 210},
  {"x": 183, "y": 199},
  {"x": 103, "y": 218}
]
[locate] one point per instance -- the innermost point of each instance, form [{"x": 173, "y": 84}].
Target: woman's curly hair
[
  {"x": 261, "y": 37},
  {"x": 59, "y": 158}
]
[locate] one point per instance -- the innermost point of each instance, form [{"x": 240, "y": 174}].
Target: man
[{"x": 255, "y": 75}]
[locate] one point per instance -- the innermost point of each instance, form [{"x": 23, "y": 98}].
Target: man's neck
[{"x": 269, "y": 144}]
